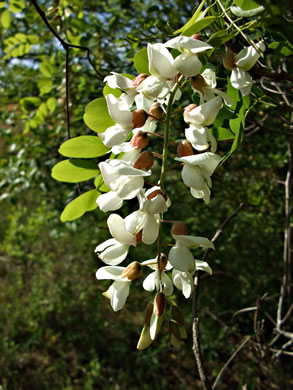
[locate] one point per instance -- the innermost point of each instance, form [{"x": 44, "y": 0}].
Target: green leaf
[
  {"x": 141, "y": 61},
  {"x": 16, "y": 5},
  {"x": 45, "y": 85},
  {"x": 51, "y": 104},
  {"x": 6, "y": 19},
  {"x": 233, "y": 93},
  {"x": 246, "y": 4},
  {"x": 100, "y": 185},
  {"x": 199, "y": 25},
  {"x": 192, "y": 20},
  {"x": 96, "y": 115},
  {"x": 283, "y": 47},
  {"x": 86, "y": 146},
  {"x": 2, "y": 4},
  {"x": 220, "y": 37},
  {"x": 80, "y": 205},
  {"x": 28, "y": 104},
  {"x": 221, "y": 133},
  {"x": 108, "y": 90},
  {"x": 74, "y": 171}
]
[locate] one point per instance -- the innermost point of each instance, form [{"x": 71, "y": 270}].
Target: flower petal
[
  {"x": 181, "y": 258},
  {"x": 110, "y": 272},
  {"x": 118, "y": 230}
]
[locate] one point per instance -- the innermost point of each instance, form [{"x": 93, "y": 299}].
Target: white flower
[
  {"x": 242, "y": 62},
  {"x": 115, "y": 250},
  {"x": 152, "y": 281},
  {"x": 205, "y": 85},
  {"x": 161, "y": 62},
  {"x": 123, "y": 180},
  {"x": 181, "y": 257},
  {"x": 184, "y": 280},
  {"x": 197, "y": 171},
  {"x": 119, "y": 290},
  {"x": 188, "y": 63},
  {"x": 205, "y": 114},
  {"x": 199, "y": 137}
]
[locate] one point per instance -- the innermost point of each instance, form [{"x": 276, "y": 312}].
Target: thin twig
[
  {"x": 244, "y": 342},
  {"x": 195, "y": 325}
]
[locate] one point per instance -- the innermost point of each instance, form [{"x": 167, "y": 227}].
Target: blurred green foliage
[{"x": 56, "y": 329}]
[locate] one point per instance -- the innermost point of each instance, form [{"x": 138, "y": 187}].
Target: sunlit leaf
[
  {"x": 86, "y": 146},
  {"x": 6, "y": 19},
  {"x": 284, "y": 48},
  {"x": 222, "y": 134},
  {"x": 96, "y": 115},
  {"x": 192, "y": 20},
  {"x": 199, "y": 25},
  {"x": 141, "y": 61},
  {"x": 246, "y": 4},
  {"x": 74, "y": 171},
  {"x": 78, "y": 206}
]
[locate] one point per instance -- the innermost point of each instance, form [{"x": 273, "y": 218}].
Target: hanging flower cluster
[{"x": 144, "y": 102}]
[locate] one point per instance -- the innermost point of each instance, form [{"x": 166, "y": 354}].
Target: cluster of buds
[{"x": 144, "y": 103}]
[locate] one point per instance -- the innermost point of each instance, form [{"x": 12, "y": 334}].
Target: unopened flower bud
[
  {"x": 156, "y": 111},
  {"x": 229, "y": 60},
  {"x": 157, "y": 192},
  {"x": 139, "y": 79},
  {"x": 198, "y": 82},
  {"x": 163, "y": 262},
  {"x": 148, "y": 313},
  {"x": 145, "y": 161},
  {"x": 196, "y": 36},
  {"x": 139, "y": 140},
  {"x": 184, "y": 149},
  {"x": 139, "y": 117},
  {"x": 159, "y": 304},
  {"x": 139, "y": 237},
  {"x": 179, "y": 229},
  {"x": 189, "y": 108},
  {"x": 132, "y": 271}
]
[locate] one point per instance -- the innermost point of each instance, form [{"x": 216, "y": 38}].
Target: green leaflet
[
  {"x": 78, "y": 206},
  {"x": 86, "y": 146},
  {"x": 6, "y": 19},
  {"x": 284, "y": 48},
  {"x": 246, "y": 4},
  {"x": 192, "y": 20},
  {"x": 100, "y": 185},
  {"x": 96, "y": 115},
  {"x": 199, "y": 25},
  {"x": 221, "y": 133},
  {"x": 141, "y": 61},
  {"x": 74, "y": 171}
]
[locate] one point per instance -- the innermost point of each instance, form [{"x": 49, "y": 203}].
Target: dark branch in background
[
  {"x": 273, "y": 75},
  {"x": 195, "y": 325},
  {"x": 66, "y": 46}
]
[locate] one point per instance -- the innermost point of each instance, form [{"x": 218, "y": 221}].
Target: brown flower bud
[
  {"x": 229, "y": 60},
  {"x": 159, "y": 304},
  {"x": 139, "y": 237},
  {"x": 139, "y": 140},
  {"x": 198, "y": 83},
  {"x": 179, "y": 229},
  {"x": 184, "y": 148},
  {"x": 139, "y": 117},
  {"x": 145, "y": 161},
  {"x": 156, "y": 110},
  {"x": 196, "y": 36},
  {"x": 139, "y": 79},
  {"x": 132, "y": 271},
  {"x": 163, "y": 261},
  {"x": 148, "y": 313},
  {"x": 157, "y": 192},
  {"x": 189, "y": 108}
]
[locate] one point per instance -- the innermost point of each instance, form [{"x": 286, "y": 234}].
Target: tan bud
[
  {"x": 139, "y": 237},
  {"x": 145, "y": 339},
  {"x": 179, "y": 229},
  {"x": 139, "y": 79},
  {"x": 156, "y": 110},
  {"x": 189, "y": 108},
  {"x": 139, "y": 117},
  {"x": 163, "y": 261},
  {"x": 145, "y": 161},
  {"x": 148, "y": 313},
  {"x": 229, "y": 60},
  {"x": 157, "y": 192},
  {"x": 159, "y": 304},
  {"x": 198, "y": 83},
  {"x": 139, "y": 140},
  {"x": 196, "y": 36},
  {"x": 132, "y": 271},
  {"x": 184, "y": 148}
]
